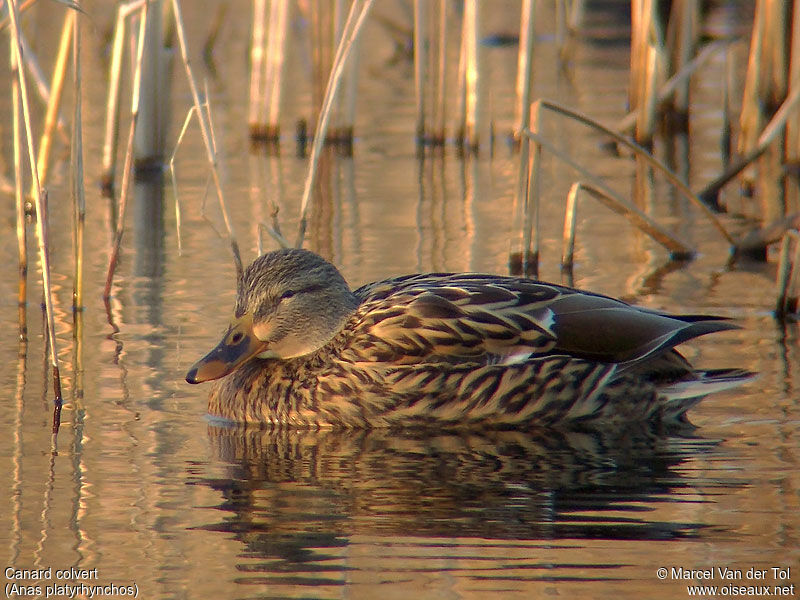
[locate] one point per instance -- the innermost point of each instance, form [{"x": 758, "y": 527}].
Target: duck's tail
[{"x": 678, "y": 397}]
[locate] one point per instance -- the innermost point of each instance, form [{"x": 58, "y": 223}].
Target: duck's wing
[{"x": 493, "y": 319}]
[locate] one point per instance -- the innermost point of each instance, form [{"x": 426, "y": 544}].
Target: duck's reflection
[{"x": 287, "y": 486}]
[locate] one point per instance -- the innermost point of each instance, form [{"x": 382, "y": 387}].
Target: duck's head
[{"x": 290, "y": 302}]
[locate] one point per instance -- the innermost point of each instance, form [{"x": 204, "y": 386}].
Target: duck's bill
[{"x": 238, "y": 345}]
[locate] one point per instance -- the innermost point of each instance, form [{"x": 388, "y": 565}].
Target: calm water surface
[{"x": 148, "y": 492}]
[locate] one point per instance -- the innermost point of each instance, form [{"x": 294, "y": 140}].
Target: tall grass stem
[{"x": 41, "y": 215}]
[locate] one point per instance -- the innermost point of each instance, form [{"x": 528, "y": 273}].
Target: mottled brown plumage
[{"x": 455, "y": 349}]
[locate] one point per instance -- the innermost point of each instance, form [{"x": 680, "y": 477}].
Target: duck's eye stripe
[{"x": 306, "y": 290}]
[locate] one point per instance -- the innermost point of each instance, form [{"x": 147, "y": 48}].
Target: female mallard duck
[{"x": 303, "y": 349}]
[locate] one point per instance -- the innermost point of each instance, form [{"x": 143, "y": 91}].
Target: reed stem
[
  {"x": 111, "y": 134},
  {"x": 59, "y": 75},
  {"x": 277, "y": 57},
  {"x": 255, "y": 119},
  {"x": 524, "y": 69},
  {"x": 788, "y": 280},
  {"x": 530, "y": 232},
  {"x": 76, "y": 168},
  {"x": 420, "y": 64},
  {"x": 127, "y": 170},
  {"x": 352, "y": 28},
  {"x": 654, "y": 162},
  {"x": 22, "y": 236},
  {"x": 205, "y": 129},
  {"x": 440, "y": 109},
  {"x": 149, "y": 137},
  {"x": 472, "y": 127},
  {"x": 709, "y": 194},
  {"x": 40, "y": 198}
]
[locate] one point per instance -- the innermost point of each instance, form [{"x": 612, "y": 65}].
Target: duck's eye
[
  {"x": 287, "y": 294},
  {"x": 237, "y": 337}
]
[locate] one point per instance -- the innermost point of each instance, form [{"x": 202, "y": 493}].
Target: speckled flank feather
[{"x": 467, "y": 349}]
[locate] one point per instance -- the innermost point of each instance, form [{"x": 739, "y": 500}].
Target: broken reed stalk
[
  {"x": 149, "y": 138},
  {"x": 461, "y": 90},
  {"x": 192, "y": 112},
  {"x": 127, "y": 169},
  {"x": 792, "y": 148},
  {"x": 270, "y": 63},
  {"x": 19, "y": 197},
  {"x": 420, "y": 64},
  {"x": 40, "y": 80},
  {"x": 205, "y": 129},
  {"x": 560, "y": 28},
  {"x": 530, "y": 247},
  {"x": 788, "y": 280},
  {"x": 653, "y": 161},
  {"x": 59, "y": 75},
  {"x": 111, "y": 136},
  {"x": 352, "y": 28},
  {"x": 640, "y": 30},
  {"x": 677, "y": 249},
  {"x": 174, "y": 177},
  {"x": 646, "y": 121},
  {"x": 710, "y": 193},
  {"x": 440, "y": 108},
  {"x": 682, "y": 36},
  {"x": 76, "y": 170},
  {"x": 627, "y": 123},
  {"x": 255, "y": 119},
  {"x": 349, "y": 97},
  {"x": 751, "y": 115},
  {"x": 524, "y": 69},
  {"x": 570, "y": 223},
  {"x": 41, "y": 215},
  {"x": 472, "y": 91},
  {"x": 727, "y": 109},
  {"x": 276, "y": 57}
]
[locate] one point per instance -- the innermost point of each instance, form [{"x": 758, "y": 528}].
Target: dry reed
[
  {"x": 154, "y": 85},
  {"x": 206, "y": 130},
  {"x": 76, "y": 169},
  {"x": 709, "y": 194},
  {"x": 420, "y": 65},
  {"x": 677, "y": 249},
  {"x": 472, "y": 80},
  {"x": 40, "y": 199},
  {"x": 524, "y": 70},
  {"x": 59, "y": 75},
  {"x": 352, "y": 28},
  {"x": 788, "y": 275},
  {"x": 681, "y": 39},
  {"x": 111, "y": 136},
  {"x": 641, "y": 152},
  {"x": 22, "y": 236},
  {"x": 127, "y": 169},
  {"x": 255, "y": 117}
]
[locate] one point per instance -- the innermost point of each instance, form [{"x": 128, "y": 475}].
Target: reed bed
[{"x": 664, "y": 58}]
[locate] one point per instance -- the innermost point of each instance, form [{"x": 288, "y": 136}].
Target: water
[{"x": 148, "y": 493}]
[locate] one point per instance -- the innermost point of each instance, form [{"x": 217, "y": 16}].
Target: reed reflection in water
[{"x": 489, "y": 507}]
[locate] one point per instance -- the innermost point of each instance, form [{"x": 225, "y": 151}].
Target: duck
[{"x": 447, "y": 350}]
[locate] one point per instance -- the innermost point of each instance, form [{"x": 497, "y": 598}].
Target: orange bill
[{"x": 238, "y": 345}]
